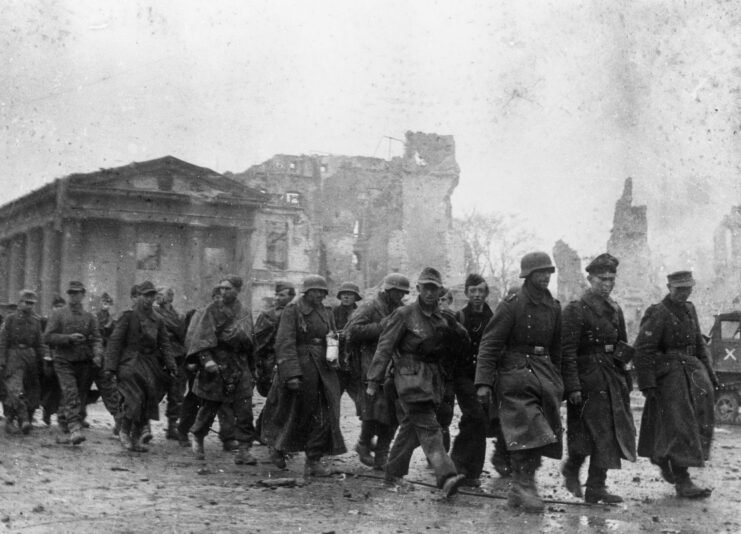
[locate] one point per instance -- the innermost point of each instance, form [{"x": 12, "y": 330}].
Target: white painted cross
[{"x": 729, "y": 354}]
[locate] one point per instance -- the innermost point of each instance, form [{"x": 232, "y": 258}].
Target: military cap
[
  {"x": 105, "y": 297},
  {"x": 146, "y": 288},
  {"x": 28, "y": 295},
  {"x": 58, "y": 300},
  {"x": 430, "y": 276},
  {"x": 233, "y": 280},
  {"x": 76, "y": 287},
  {"x": 604, "y": 263},
  {"x": 349, "y": 287},
  {"x": 680, "y": 279},
  {"x": 134, "y": 291},
  {"x": 282, "y": 286}
]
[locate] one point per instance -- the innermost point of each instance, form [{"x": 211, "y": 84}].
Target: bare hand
[
  {"x": 483, "y": 393},
  {"x": 371, "y": 389},
  {"x": 575, "y": 398},
  {"x": 211, "y": 366}
]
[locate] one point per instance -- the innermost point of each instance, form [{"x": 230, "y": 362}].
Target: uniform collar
[
  {"x": 304, "y": 306},
  {"x": 431, "y": 313}
]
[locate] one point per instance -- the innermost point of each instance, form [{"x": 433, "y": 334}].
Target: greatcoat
[
  {"x": 672, "y": 357},
  {"x": 602, "y": 426},
  {"x": 520, "y": 357}
]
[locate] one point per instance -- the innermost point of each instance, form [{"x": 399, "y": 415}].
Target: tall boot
[
  {"x": 500, "y": 458},
  {"x": 146, "y": 432},
  {"x": 363, "y": 446},
  {"x": 172, "y": 429},
  {"x": 137, "y": 430},
  {"x": 196, "y": 444},
  {"x": 124, "y": 434},
  {"x": 570, "y": 471},
  {"x": 314, "y": 468},
  {"x": 524, "y": 492},
  {"x": 685, "y": 487},
  {"x": 383, "y": 445},
  {"x": 244, "y": 456},
  {"x": 596, "y": 488}
]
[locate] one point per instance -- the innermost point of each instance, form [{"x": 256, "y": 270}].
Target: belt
[
  {"x": 317, "y": 341},
  {"x": 689, "y": 350},
  {"x": 534, "y": 350},
  {"x": 609, "y": 349}
]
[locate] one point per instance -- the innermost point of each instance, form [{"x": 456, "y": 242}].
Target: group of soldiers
[{"x": 403, "y": 364}]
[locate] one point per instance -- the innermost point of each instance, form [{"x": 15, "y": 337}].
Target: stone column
[
  {"x": 51, "y": 262},
  {"x": 4, "y": 270},
  {"x": 126, "y": 269},
  {"x": 193, "y": 289},
  {"x": 16, "y": 266},
  {"x": 33, "y": 259},
  {"x": 72, "y": 260}
]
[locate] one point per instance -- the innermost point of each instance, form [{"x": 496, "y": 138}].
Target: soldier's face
[
  {"x": 395, "y": 296},
  {"x": 428, "y": 294},
  {"x": 477, "y": 294},
  {"x": 25, "y": 306},
  {"x": 228, "y": 292},
  {"x": 75, "y": 297},
  {"x": 602, "y": 283},
  {"x": 347, "y": 299},
  {"x": 541, "y": 278},
  {"x": 147, "y": 300},
  {"x": 679, "y": 294},
  {"x": 315, "y": 297},
  {"x": 282, "y": 298}
]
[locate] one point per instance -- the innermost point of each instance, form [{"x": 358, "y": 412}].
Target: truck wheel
[{"x": 726, "y": 408}]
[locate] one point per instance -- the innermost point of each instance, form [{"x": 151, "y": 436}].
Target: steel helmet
[
  {"x": 314, "y": 281},
  {"x": 349, "y": 287},
  {"x": 396, "y": 281},
  {"x": 535, "y": 261}
]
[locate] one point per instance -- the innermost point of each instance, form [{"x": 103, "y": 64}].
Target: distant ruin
[{"x": 571, "y": 281}]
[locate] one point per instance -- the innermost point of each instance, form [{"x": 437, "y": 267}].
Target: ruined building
[
  {"x": 184, "y": 226},
  {"x": 571, "y": 281},
  {"x": 358, "y": 218},
  {"x": 636, "y": 286},
  {"x": 726, "y": 291}
]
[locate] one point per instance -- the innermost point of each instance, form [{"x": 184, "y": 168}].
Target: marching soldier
[
  {"x": 520, "y": 357},
  {"x": 599, "y": 421},
  {"x": 21, "y": 355},
  {"x": 175, "y": 326},
  {"x": 413, "y": 337},
  {"x": 72, "y": 334},
  {"x": 673, "y": 369}
]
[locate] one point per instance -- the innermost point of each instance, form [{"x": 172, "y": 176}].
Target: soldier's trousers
[
  {"x": 189, "y": 411},
  {"x": 176, "y": 393},
  {"x": 444, "y": 412},
  {"x": 352, "y": 385},
  {"x": 75, "y": 379},
  {"x": 419, "y": 427},
  {"x": 244, "y": 428},
  {"x": 23, "y": 391},
  {"x": 108, "y": 392},
  {"x": 469, "y": 447}
]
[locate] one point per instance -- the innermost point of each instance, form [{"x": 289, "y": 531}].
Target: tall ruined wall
[
  {"x": 571, "y": 283},
  {"x": 430, "y": 175}
]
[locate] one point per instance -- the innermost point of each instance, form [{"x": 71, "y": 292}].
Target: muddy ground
[{"x": 97, "y": 487}]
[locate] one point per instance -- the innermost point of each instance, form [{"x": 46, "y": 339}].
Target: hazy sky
[{"x": 552, "y": 104}]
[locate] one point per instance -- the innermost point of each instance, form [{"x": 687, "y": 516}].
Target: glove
[
  {"x": 192, "y": 367},
  {"x": 649, "y": 393},
  {"x": 294, "y": 384},
  {"x": 483, "y": 393},
  {"x": 211, "y": 367},
  {"x": 575, "y": 398}
]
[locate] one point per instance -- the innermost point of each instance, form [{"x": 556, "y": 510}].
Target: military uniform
[
  {"x": 21, "y": 356},
  {"x": 175, "y": 328},
  {"x": 412, "y": 338},
  {"x": 73, "y": 361},
  {"x": 673, "y": 369},
  {"x": 307, "y": 419},
  {"x": 602, "y": 426},
  {"x": 377, "y": 413},
  {"x": 469, "y": 447},
  {"x": 520, "y": 358},
  {"x": 106, "y": 387}
]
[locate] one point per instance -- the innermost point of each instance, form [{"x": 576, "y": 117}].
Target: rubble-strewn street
[{"x": 99, "y": 488}]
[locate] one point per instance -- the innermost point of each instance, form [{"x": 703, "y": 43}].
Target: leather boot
[
  {"x": 137, "y": 437},
  {"x": 244, "y": 456},
  {"x": 278, "y": 458},
  {"x": 364, "y": 454},
  {"x": 315, "y": 468},
  {"x": 146, "y": 431},
  {"x": 570, "y": 471},
  {"x": 183, "y": 440},
  {"x": 124, "y": 434},
  {"x": 524, "y": 492},
  {"x": 172, "y": 430},
  {"x": 666, "y": 471},
  {"x": 686, "y": 488},
  {"x": 76, "y": 436},
  {"x": 196, "y": 444},
  {"x": 379, "y": 460},
  {"x": 596, "y": 488}
]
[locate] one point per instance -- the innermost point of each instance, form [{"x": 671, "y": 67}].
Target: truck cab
[{"x": 725, "y": 347}]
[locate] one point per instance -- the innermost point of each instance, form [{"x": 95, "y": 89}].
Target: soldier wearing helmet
[
  {"x": 362, "y": 331},
  {"x": 414, "y": 338},
  {"x": 520, "y": 351},
  {"x": 302, "y": 411}
]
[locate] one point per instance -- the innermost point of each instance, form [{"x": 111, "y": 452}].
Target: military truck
[{"x": 725, "y": 346}]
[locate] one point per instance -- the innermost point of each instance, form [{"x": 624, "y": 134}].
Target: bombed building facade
[{"x": 183, "y": 226}]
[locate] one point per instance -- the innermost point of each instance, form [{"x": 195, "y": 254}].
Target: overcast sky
[{"x": 552, "y": 104}]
